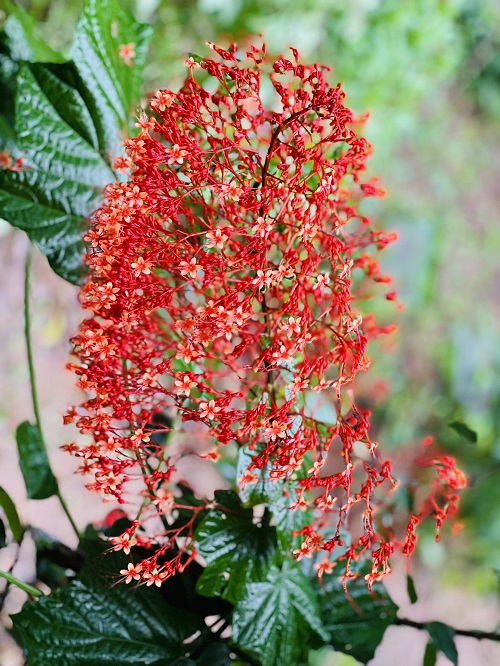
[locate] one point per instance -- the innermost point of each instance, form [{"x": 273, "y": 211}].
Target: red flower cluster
[
  {"x": 222, "y": 281},
  {"x": 7, "y": 162}
]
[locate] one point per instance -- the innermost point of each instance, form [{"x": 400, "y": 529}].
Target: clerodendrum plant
[{"x": 223, "y": 280}]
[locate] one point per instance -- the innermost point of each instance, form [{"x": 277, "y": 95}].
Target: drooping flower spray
[{"x": 222, "y": 286}]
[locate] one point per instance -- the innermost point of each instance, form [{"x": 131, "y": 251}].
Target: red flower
[{"x": 227, "y": 265}]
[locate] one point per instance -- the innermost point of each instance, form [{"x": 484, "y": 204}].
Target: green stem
[
  {"x": 27, "y": 335},
  {"x": 31, "y": 366},
  {"x": 33, "y": 591},
  {"x": 65, "y": 508}
]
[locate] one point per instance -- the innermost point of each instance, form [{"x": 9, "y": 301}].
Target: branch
[{"x": 471, "y": 633}]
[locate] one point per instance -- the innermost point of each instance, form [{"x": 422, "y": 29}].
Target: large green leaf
[
  {"x": 92, "y": 621},
  {"x": 113, "y": 86},
  {"x": 356, "y": 625},
  {"x": 278, "y": 619},
  {"x": 20, "y": 36},
  {"x": 64, "y": 172},
  {"x": 35, "y": 466},
  {"x": 235, "y": 549},
  {"x": 69, "y": 124},
  {"x": 83, "y": 626}
]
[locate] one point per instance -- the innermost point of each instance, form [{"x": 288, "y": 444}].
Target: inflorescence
[{"x": 222, "y": 284}]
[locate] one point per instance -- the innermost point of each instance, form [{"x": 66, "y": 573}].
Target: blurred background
[{"x": 428, "y": 74}]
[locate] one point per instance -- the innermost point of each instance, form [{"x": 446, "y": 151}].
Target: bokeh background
[{"x": 428, "y": 73}]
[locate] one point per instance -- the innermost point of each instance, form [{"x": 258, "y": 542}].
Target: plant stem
[
  {"x": 31, "y": 366},
  {"x": 33, "y": 591},
  {"x": 27, "y": 335},
  {"x": 471, "y": 633},
  {"x": 65, "y": 508}
]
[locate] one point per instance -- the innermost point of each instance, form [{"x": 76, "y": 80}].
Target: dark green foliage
[
  {"x": 430, "y": 655},
  {"x": 216, "y": 654},
  {"x": 92, "y": 621},
  {"x": 67, "y": 122},
  {"x": 236, "y": 550},
  {"x": 54, "y": 560},
  {"x": 410, "y": 588},
  {"x": 20, "y": 36},
  {"x": 278, "y": 619},
  {"x": 85, "y": 626},
  {"x": 356, "y": 625},
  {"x": 443, "y": 639},
  {"x": 38, "y": 477},
  {"x": 464, "y": 431},
  {"x": 112, "y": 88},
  {"x": 184, "y": 513},
  {"x": 3, "y": 534},
  {"x": 12, "y": 516},
  {"x": 269, "y": 491}
]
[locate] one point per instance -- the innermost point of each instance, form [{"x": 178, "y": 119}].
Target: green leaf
[
  {"x": 38, "y": 477},
  {"x": 50, "y": 573},
  {"x": 443, "y": 639},
  {"x": 113, "y": 86},
  {"x": 410, "y": 588},
  {"x": 278, "y": 496},
  {"x": 235, "y": 549},
  {"x": 8, "y": 73},
  {"x": 20, "y": 38},
  {"x": 99, "y": 567},
  {"x": 82, "y": 626},
  {"x": 464, "y": 431},
  {"x": 54, "y": 560},
  {"x": 217, "y": 654},
  {"x": 64, "y": 172},
  {"x": 264, "y": 488},
  {"x": 70, "y": 122},
  {"x": 356, "y": 625},
  {"x": 289, "y": 520},
  {"x": 12, "y": 516},
  {"x": 430, "y": 655},
  {"x": 278, "y": 619},
  {"x": 196, "y": 58},
  {"x": 3, "y": 534},
  {"x": 184, "y": 512}
]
